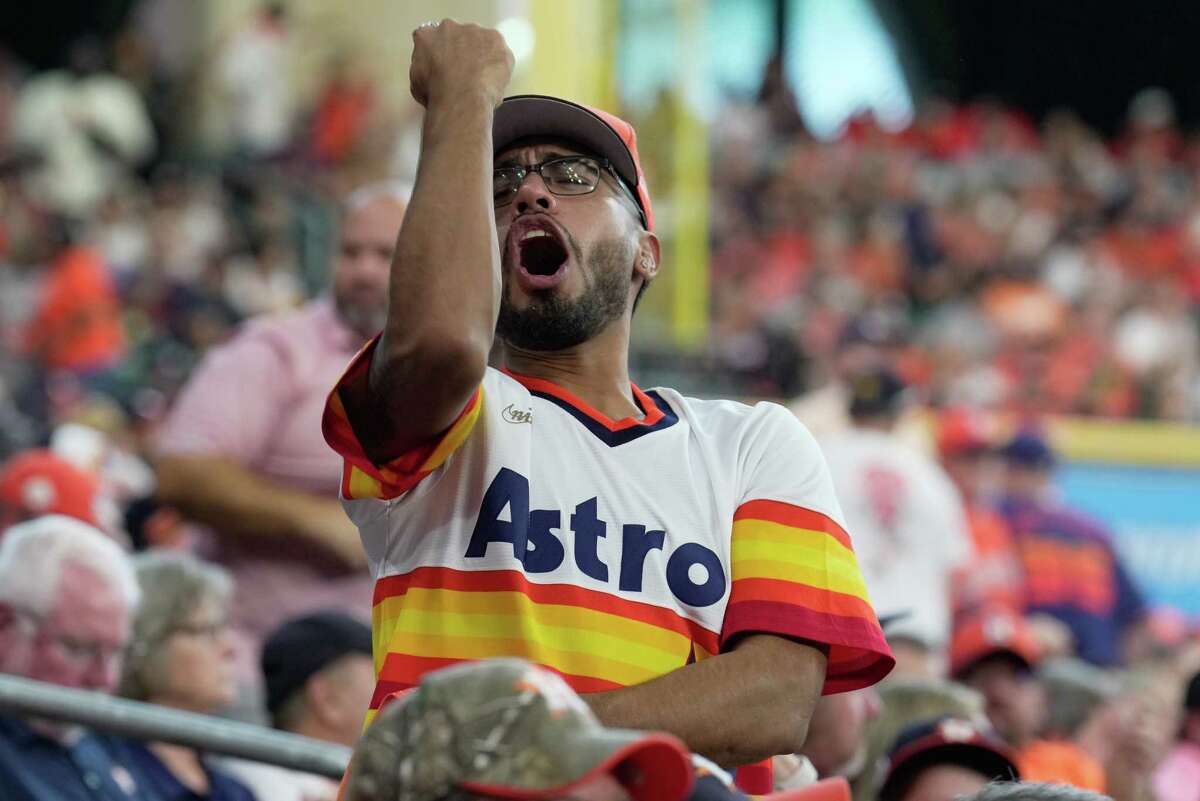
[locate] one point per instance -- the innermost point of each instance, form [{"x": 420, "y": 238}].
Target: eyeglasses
[
  {"x": 210, "y": 630},
  {"x": 80, "y": 653},
  {"x": 567, "y": 175}
]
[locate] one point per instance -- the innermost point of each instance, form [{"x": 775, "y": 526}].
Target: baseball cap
[
  {"x": 604, "y": 134},
  {"x": 988, "y": 634},
  {"x": 301, "y": 647},
  {"x": 1030, "y": 448},
  {"x": 875, "y": 391},
  {"x": 945, "y": 741},
  {"x": 962, "y": 430},
  {"x": 508, "y": 729},
  {"x": 38, "y": 482}
]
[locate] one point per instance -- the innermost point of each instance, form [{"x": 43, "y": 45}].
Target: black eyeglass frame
[{"x": 522, "y": 172}]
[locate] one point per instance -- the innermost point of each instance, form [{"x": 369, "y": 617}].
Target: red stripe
[
  {"x": 402, "y": 671},
  {"x": 858, "y": 654},
  {"x": 787, "y": 592},
  {"x": 649, "y": 407},
  {"x": 444, "y": 578},
  {"x": 795, "y": 516}
]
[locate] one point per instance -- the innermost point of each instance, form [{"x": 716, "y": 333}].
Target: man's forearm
[
  {"x": 223, "y": 494},
  {"x": 736, "y": 708}
]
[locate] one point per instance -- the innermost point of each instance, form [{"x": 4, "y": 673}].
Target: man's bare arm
[
  {"x": 444, "y": 294},
  {"x": 736, "y": 708},
  {"x": 220, "y": 492}
]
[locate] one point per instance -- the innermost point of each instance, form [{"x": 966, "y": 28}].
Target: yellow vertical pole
[{"x": 689, "y": 193}]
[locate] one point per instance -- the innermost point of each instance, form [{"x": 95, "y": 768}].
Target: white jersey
[
  {"x": 609, "y": 551},
  {"x": 910, "y": 529}
]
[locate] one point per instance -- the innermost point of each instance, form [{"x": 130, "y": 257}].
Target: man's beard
[
  {"x": 551, "y": 322},
  {"x": 367, "y": 320}
]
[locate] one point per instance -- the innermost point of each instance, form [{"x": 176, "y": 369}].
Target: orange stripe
[
  {"x": 795, "y": 516},
  {"x": 786, "y": 592},
  {"x": 564, "y": 594},
  {"x": 649, "y": 407}
]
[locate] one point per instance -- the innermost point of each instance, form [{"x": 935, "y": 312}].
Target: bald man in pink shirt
[{"x": 242, "y": 451}]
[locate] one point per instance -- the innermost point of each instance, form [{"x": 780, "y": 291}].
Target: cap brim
[
  {"x": 834, "y": 789},
  {"x": 523, "y": 116},
  {"x": 988, "y": 762},
  {"x": 660, "y": 768}
]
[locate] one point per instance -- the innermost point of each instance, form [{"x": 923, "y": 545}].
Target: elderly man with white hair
[
  {"x": 242, "y": 452},
  {"x": 67, "y": 596}
]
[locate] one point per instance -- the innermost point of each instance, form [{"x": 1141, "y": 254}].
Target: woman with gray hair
[{"x": 181, "y": 656}]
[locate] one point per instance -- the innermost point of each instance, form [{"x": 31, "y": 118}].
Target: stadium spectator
[
  {"x": 837, "y": 732},
  {"x": 910, "y": 534},
  {"x": 320, "y": 677},
  {"x": 254, "y": 73},
  {"x": 996, "y": 653},
  {"x": 503, "y": 727},
  {"x": 82, "y": 129},
  {"x": 67, "y": 597},
  {"x": 180, "y": 656},
  {"x": 242, "y": 451},
  {"x": 1178, "y": 776},
  {"x": 965, "y": 445},
  {"x": 562, "y": 189},
  {"x": 943, "y": 760},
  {"x": 1071, "y": 570},
  {"x": 907, "y": 701}
]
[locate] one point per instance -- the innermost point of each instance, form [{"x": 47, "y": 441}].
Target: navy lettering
[
  {"x": 588, "y": 530},
  {"x": 511, "y": 489},
  {"x": 636, "y": 544},
  {"x": 692, "y": 594},
  {"x": 544, "y": 551}
]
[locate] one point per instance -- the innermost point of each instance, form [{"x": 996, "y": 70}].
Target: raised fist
[{"x": 450, "y": 58}]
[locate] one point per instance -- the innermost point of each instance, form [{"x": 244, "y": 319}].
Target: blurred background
[{"x": 999, "y": 202}]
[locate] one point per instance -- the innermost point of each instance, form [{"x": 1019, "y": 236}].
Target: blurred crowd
[
  {"x": 1010, "y": 264},
  {"x": 167, "y": 341}
]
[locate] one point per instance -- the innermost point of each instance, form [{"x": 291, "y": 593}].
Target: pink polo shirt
[{"x": 258, "y": 400}]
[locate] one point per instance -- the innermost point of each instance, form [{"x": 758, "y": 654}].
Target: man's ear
[{"x": 648, "y": 255}]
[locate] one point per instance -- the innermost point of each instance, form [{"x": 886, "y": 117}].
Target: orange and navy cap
[
  {"x": 606, "y": 135},
  {"x": 945, "y": 741},
  {"x": 990, "y": 633},
  {"x": 37, "y": 482}
]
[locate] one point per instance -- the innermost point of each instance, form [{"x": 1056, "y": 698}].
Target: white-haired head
[
  {"x": 394, "y": 190},
  {"x": 32, "y": 555}
]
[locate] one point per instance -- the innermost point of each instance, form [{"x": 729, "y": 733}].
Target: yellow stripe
[
  {"x": 455, "y": 436},
  {"x": 751, "y": 530},
  {"x": 828, "y": 576},
  {"x": 836, "y": 560},
  {"x": 363, "y": 485},
  {"x": 576, "y": 662},
  {"x": 513, "y": 614}
]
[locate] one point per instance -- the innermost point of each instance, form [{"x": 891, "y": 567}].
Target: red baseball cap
[
  {"x": 962, "y": 430},
  {"x": 37, "y": 482},
  {"x": 606, "y": 135},
  {"x": 998, "y": 631}
]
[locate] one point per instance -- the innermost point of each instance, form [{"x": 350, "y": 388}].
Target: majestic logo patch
[{"x": 512, "y": 415}]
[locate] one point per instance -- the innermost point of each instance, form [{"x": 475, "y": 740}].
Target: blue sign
[{"x": 1154, "y": 515}]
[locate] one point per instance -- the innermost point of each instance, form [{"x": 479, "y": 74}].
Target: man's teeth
[{"x": 534, "y": 233}]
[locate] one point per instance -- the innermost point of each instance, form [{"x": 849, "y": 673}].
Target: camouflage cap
[{"x": 508, "y": 729}]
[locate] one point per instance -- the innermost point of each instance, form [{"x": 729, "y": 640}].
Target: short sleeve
[
  {"x": 794, "y": 572},
  {"x": 362, "y": 479},
  {"x": 217, "y": 413}
]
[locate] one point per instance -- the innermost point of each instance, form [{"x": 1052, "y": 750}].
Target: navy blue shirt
[
  {"x": 36, "y": 768},
  {"x": 158, "y": 783}
]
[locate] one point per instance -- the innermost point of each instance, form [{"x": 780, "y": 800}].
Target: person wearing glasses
[
  {"x": 681, "y": 563},
  {"x": 181, "y": 655},
  {"x": 67, "y": 597}
]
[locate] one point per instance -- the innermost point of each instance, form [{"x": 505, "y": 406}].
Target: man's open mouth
[{"x": 541, "y": 252}]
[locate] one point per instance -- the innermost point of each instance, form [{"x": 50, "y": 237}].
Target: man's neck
[{"x": 596, "y": 371}]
